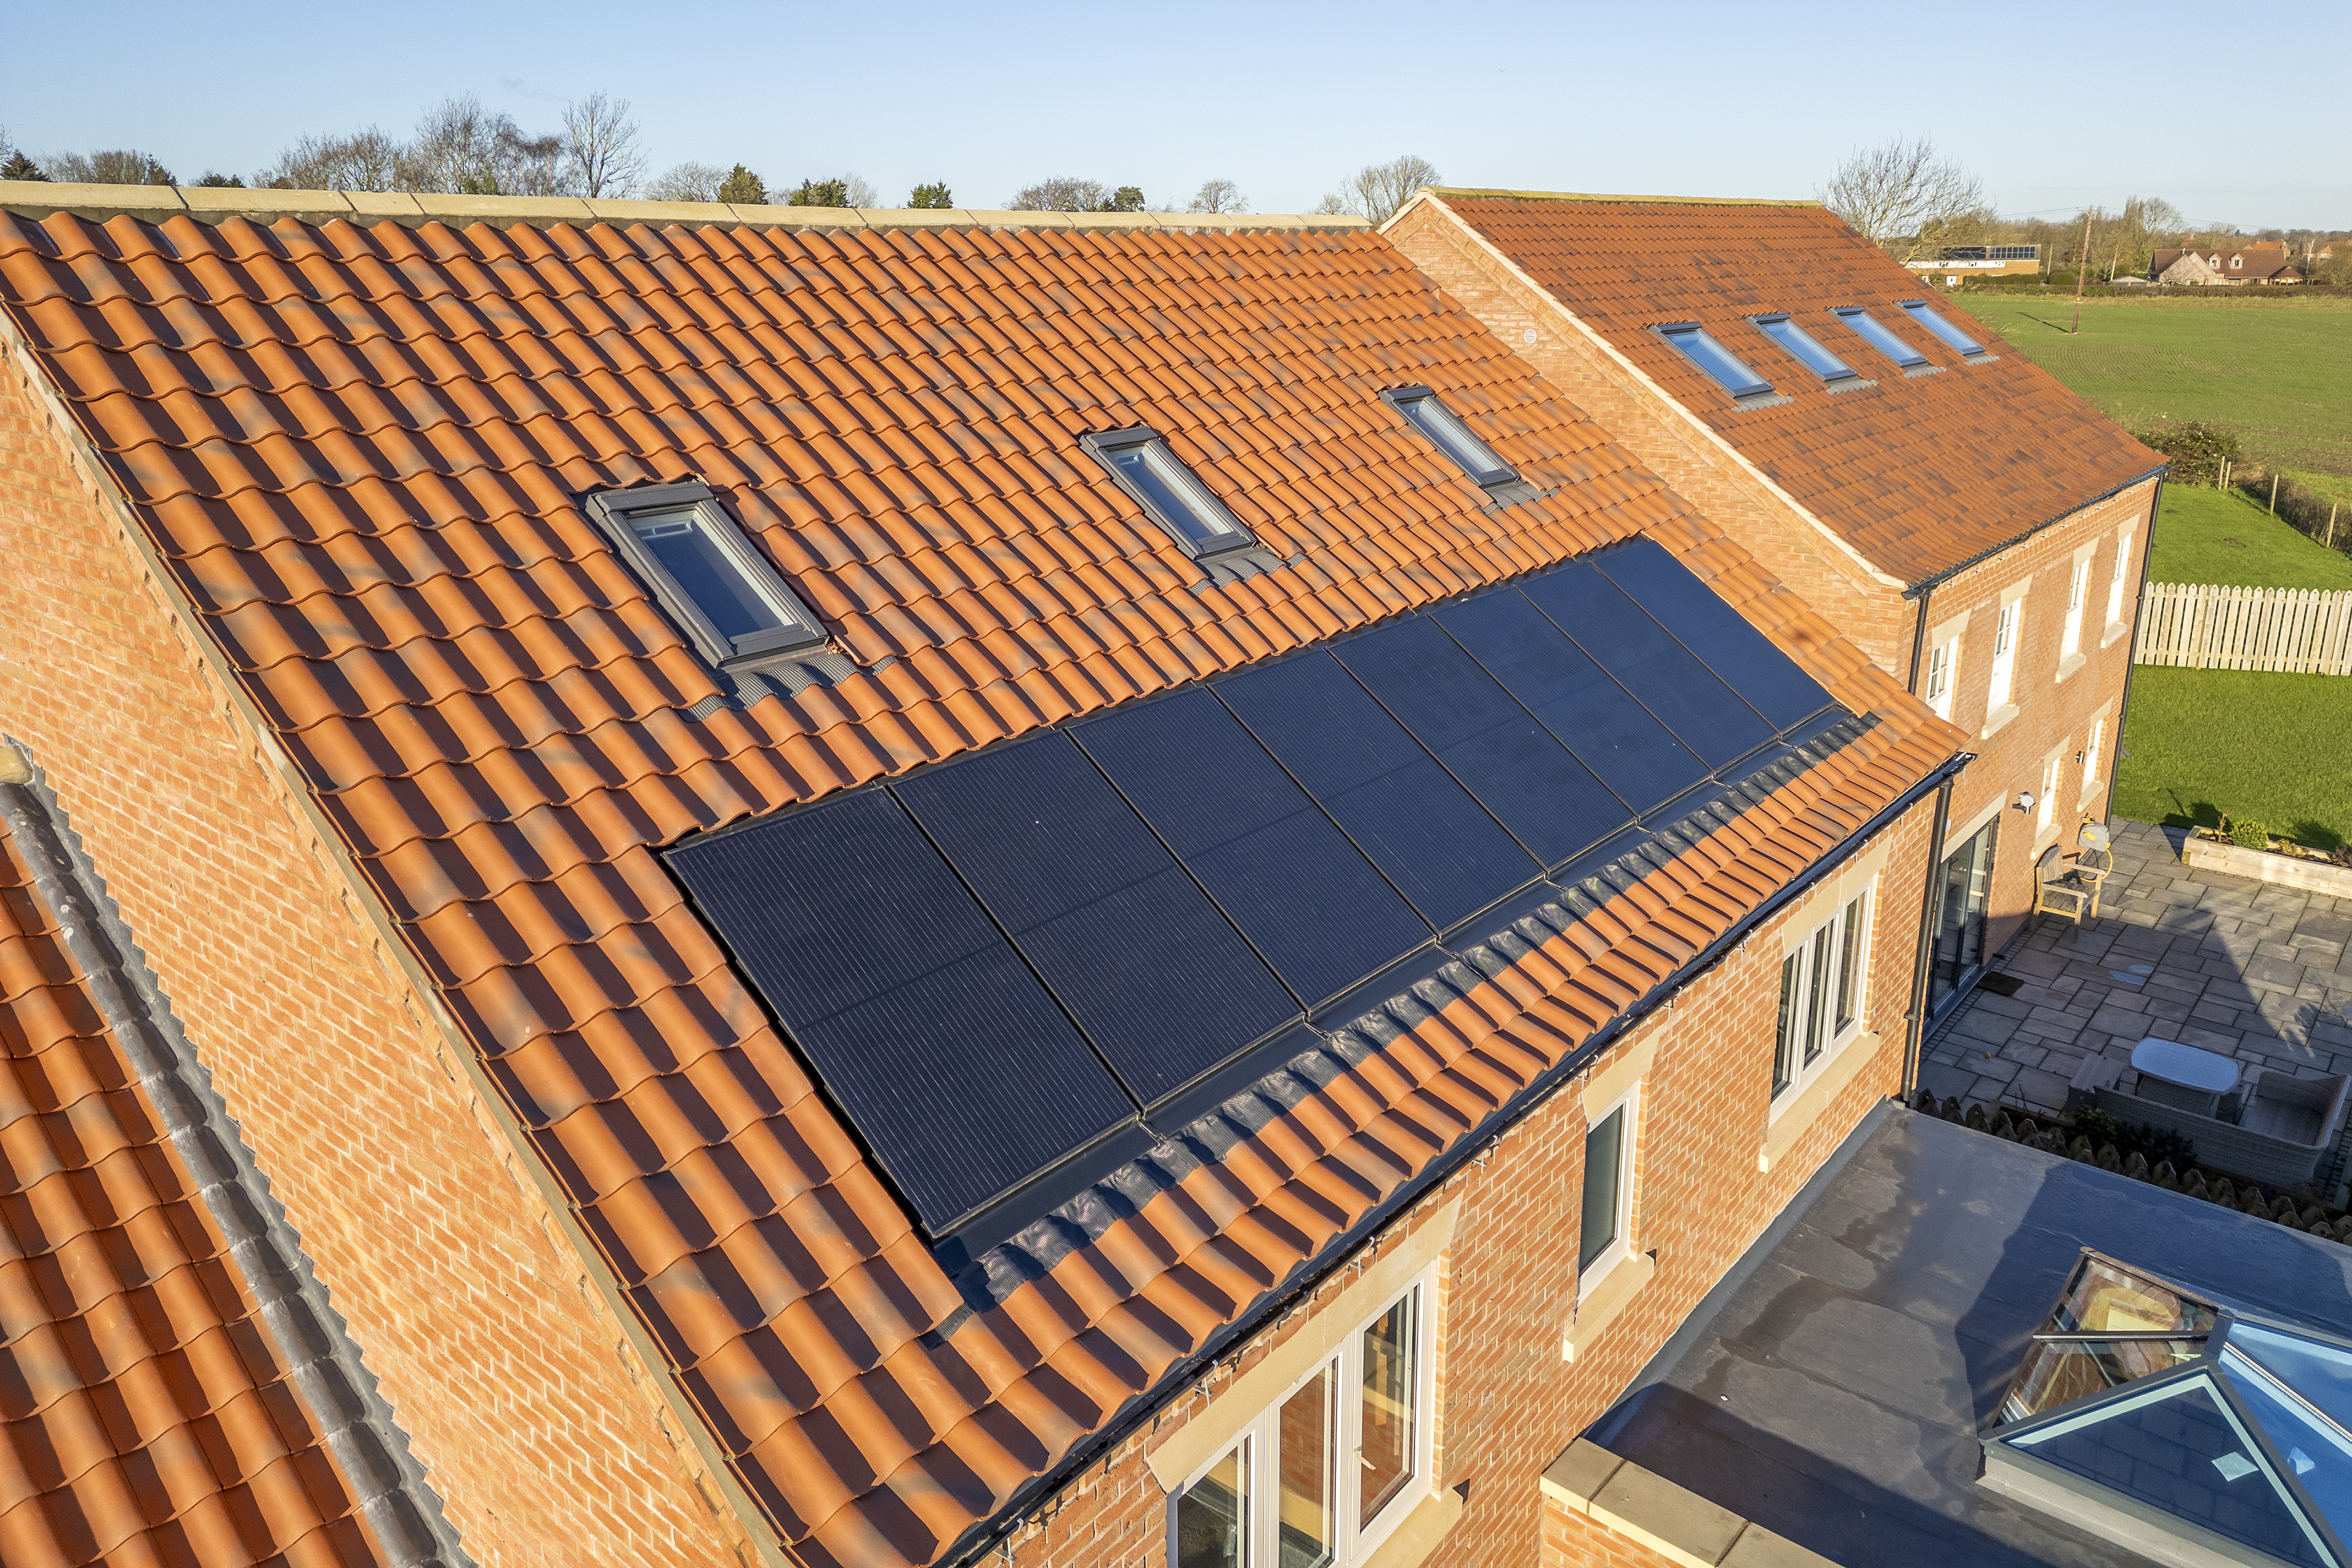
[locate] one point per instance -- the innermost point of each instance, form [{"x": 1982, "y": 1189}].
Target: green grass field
[
  {"x": 2248, "y": 744},
  {"x": 2217, "y": 536},
  {"x": 2278, "y": 371}
]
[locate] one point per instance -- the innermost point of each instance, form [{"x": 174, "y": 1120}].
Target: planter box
[{"x": 2262, "y": 864}]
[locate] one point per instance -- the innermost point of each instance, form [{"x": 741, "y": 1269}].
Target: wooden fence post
[
  {"x": 2208, "y": 626},
  {"x": 2273, "y": 495}
]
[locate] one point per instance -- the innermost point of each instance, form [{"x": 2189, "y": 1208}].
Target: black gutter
[
  {"x": 2131, "y": 644},
  {"x": 982, "y": 1537},
  {"x": 1919, "y": 640},
  {"x": 1924, "y": 583},
  {"x": 1917, "y": 1016}
]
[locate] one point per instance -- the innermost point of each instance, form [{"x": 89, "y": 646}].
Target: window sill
[
  {"x": 1814, "y": 1098},
  {"x": 2071, "y": 663},
  {"x": 1419, "y": 1532},
  {"x": 2116, "y": 631},
  {"x": 1998, "y": 720},
  {"x": 1608, "y": 1298}
]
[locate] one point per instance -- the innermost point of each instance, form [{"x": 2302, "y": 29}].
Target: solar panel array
[{"x": 999, "y": 965}]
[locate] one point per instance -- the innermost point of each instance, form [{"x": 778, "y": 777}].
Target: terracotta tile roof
[
  {"x": 361, "y": 449},
  {"x": 145, "y": 1416},
  {"x": 1919, "y": 473}
]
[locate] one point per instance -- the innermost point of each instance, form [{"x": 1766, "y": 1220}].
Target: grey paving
[{"x": 2252, "y": 971}]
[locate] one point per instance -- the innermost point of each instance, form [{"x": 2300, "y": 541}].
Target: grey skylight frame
[
  {"x": 801, "y": 632},
  {"x": 1445, "y": 430},
  {"x": 1885, "y": 339},
  {"x": 1845, "y": 375},
  {"x": 1970, "y": 350},
  {"x": 1755, "y": 393},
  {"x": 1227, "y": 535}
]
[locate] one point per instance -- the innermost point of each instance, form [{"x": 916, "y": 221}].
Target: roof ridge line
[
  {"x": 1597, "y": 196},
  {"x": 215, "y": 204}
]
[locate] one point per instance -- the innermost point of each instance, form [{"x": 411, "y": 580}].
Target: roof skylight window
[
  {"x": 717, "y": 585},
  {"x": 1142, "y": 466},
  {"x": 1933, "y": 320},
  {"x": 1446, "y": 432},
  {"x": 1880, "y": 336},
  {"x": 1728, "y": 368},
  {"x": 1803, "y": 347}
]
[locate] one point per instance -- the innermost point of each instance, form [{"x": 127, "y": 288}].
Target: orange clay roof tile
[
  {"x": 1920, "y": 474},
  {"x": 361, "y": 449},
  {"x": 146, "y": 1418}
]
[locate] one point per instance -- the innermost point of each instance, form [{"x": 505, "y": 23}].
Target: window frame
[
  {"x": 1940, "y": 328},
  {"x": 1943, "y": 669},
  {"x": 1620, "y": 1247},
  {"x": 1829, "y": 936},
  {"x": 1413, "y": 403},
  {"x": 2045, "y": 810},
  {"x": 2118, "y": 582},
  {"x": 2008, "y": 631},
  {"x": 1232, "y": 535},
  {"x": 613, "y": 511},
  {"x": 1885, "y": 335},
  {"x": 2078, "y": 600},
  {"x": 1844, "y": 372},
  {"x": 1353, "y": 1543},
  {"x": 2091, "y": 760},
  {"x": 1756, "y": 394}
]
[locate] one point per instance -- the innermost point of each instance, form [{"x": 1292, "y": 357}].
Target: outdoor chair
[{"x": 2075, "y": 892}]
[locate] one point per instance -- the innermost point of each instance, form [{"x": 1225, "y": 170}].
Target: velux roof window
[
  {"x": 718, "y": 586},
  {"x": 1935, "y": 321},
  {"x": 1732, "y": 373},
  {"x": 1805, "y": 348},
  {"x": 1141, "y": 464},
  {"x": 1880, "y": 336},
  {"x": 1422, "y": 410}
]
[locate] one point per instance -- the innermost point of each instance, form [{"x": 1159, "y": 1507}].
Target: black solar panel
[
  {"x": 1162, "y": 982},
  {"x": 1519, "y": 772},
  {"x": 1744, "y": 658},
  {"x": 1579, "y": 702},
  {"x": 1274, "y": 863},
  {"x": 1667, "y": 679},
  {"x": 1439, "y": 847},
  {"x": 951, "y": 1058}
]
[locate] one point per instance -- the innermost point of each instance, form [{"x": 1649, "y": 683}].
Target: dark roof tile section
[
  {"x": 145, "y": 1416},
  {"x": 361, "y": 449},
  {"x": 1920, "y": 473}
]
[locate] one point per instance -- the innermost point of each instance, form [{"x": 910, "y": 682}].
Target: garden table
[{"x": 2183, "y": 1077}]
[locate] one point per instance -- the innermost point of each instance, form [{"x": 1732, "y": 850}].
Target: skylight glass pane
[
  {"x": 2103, "y": 1299},
  {"x": 2058, "y": 1372},
  {"x": 1928, "y": 317},
  {"x": 1805, "y": 347},
  {"x": 683, "y": 542},
  {"x": 2318, "y": 1451},
  {"x": 1716, "y": 360},
  {"x": 1176, "y": 496},
  {"x": 1453, "y": 437},
  {"x": 1878, "y": 335},
  {"x": 2319, "y": 1372}
]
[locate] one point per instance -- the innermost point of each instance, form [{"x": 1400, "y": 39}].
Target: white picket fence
[{"x": 2205, "y": 625}]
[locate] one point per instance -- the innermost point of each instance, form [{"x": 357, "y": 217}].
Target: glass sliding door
[{"x": 1957, "y": 949}]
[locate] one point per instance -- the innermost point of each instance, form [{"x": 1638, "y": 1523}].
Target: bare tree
[
  {"x": 110, "y": 166},
  {"x": 860, "y": 193},
  {"x": 599, "y": 145},
  {"x": 688, "y": 183},
  {"x": 1065, "y": 194},
  {"x": 364, "y": 161},
  {"x": 1900, "y": 195},
  {"x": 1218, "y": 196},
  {"x": 1376, "y": 190},
  {"x": 462, "y": 147}
]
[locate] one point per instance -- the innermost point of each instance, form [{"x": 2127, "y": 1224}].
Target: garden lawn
[
  {"x": 2253, "y": 746},
  {"x": 2218, "y": 536},
  {"x": 2278, "y": 371}
]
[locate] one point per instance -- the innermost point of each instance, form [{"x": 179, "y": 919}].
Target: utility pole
[{"x": 2082, "y": 272}]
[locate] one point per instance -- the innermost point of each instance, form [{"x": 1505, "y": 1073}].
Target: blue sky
[{"x": 2052, "y": 106}]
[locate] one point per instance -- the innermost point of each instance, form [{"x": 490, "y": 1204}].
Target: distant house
[
  {"x": 2264, "y": 263},
  {"x": 1955, "y": 262}
]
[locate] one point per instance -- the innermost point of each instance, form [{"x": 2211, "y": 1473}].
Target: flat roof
[{"x": 1831, "y": 1387}]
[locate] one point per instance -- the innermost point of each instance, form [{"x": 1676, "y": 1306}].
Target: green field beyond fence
[
  {"x": 2220, "y": 536},
  {"x": 2279, "y": 373}
]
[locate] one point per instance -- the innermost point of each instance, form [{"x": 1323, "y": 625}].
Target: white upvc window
[
  {"x": 2004, "y": 656},
  {"x": 2078, "y": 589},
  {"x": 2120, "y": 581},
  {"x": 1823, "y": 978},
  {"x": 2052, "y": 767},
  {"x": 1323, "y": 1475},
  {"x": 1943, "y": 660},
  {"x": 2091, "y": 757},
  {"x": 1605, "y": 1232}
]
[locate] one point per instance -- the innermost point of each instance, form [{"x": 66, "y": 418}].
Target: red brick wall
[
  {"x": 1872, "y": 613},
  {"x": 1572, "y": 1540},
  {"x": 530, "y": 1412},
  {"x": 1507, "y": 1403}
]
